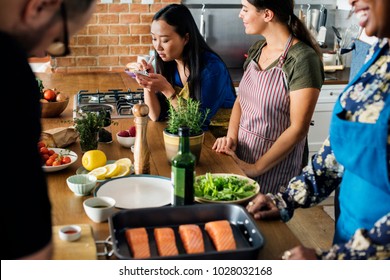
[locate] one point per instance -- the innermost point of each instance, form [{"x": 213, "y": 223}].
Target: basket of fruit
[{"x": 53, "y": 102}]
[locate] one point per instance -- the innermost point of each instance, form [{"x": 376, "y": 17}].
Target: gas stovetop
[{"x": 118, "y": 102}]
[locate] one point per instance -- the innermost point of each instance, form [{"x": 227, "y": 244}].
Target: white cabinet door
[{"x": 322, "y": 115}]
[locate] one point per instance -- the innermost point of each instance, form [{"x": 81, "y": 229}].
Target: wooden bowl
[{"x": 53, "y": 109}]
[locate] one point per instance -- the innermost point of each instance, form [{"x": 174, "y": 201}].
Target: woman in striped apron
[{"x": 277, "y": 95}]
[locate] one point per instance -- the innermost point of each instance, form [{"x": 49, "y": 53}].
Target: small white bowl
[
  {"x": 70, "y": 233},
  {"x": 126, "y": 142},
  {"x": 98, "y": 209},
  {"x": 81, "y": 184}
]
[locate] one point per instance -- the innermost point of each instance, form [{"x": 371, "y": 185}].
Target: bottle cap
[{"x": 184, "y": 131}]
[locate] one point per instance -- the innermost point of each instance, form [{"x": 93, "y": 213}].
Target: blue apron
[{"x": 362, "y": 149}]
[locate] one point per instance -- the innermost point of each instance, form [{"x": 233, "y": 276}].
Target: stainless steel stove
[{"x": 118, "y": 102}]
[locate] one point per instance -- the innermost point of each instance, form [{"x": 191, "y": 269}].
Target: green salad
[{"x": 223, "y": 188}]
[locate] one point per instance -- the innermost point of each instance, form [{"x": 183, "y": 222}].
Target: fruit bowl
[{"x": 53, "y": 109}]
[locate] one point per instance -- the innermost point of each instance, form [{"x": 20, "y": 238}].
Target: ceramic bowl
[
  {"x": 70, "y": 233},
  {"x": 53, "y": 109},
  {"x": 81, "y": 184},
  {"x": 98, "y": 209},
  {"x": 126, "y": 142}
]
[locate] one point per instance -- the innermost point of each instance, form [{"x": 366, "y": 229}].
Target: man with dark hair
[{"x": 30, "y": 28}]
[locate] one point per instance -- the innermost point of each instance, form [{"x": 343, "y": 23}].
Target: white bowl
[
  {"x": 126, "y": 142},
  {"x": 98, "y": 209},
  {"x": 70, "y": 233},
  {"x": 81, "y": 184}
]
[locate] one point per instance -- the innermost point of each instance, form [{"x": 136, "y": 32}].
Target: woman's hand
[
  {"x": 263, "y": 207},
  {"x": 224, "y": 142},
  {"x": 300, "y": 253},
  {"x": 154, "y": 82}
]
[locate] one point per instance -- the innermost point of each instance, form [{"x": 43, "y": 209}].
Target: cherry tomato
[
  {"x": 66, "y": 160},
  {"x": 49, "y": 162},
  {"x": 41, "y": 144},
  {"x": 49, "y": 95},
  {"x": 51, "y": 152},
  {"x": 56, "y": 163},
  {"x": 44, "y": 150}
]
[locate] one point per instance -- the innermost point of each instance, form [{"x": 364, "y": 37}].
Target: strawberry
[
  {"x": 124, "y": 133},
  {"x": 132, "y": 131}
]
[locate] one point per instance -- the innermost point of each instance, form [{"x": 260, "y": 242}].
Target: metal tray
[{"x": 248, "y": 238}]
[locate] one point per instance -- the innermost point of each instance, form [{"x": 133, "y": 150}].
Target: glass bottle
[{"x": 183, "y": 171}]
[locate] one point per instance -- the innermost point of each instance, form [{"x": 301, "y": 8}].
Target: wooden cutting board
[{"x": 81, "y": 249}]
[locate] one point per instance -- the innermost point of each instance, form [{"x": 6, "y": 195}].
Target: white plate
[
  {"x": 82, "y": 170},
  {"x": 137, "y": 191},
  {"x": 65, "y": 152},
  {"x": 238, "y": 201}
]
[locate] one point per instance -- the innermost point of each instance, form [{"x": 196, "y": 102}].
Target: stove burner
[
  {"x": 118, "y": 102},
  {"x": 96, "y": 108}
]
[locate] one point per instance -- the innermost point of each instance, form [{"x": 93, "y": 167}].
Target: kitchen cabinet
[{"x": 319, "y": 129}]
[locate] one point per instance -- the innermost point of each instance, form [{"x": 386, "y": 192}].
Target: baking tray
[{"x": 248, "y": 237}]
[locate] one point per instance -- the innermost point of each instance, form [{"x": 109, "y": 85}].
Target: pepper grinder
[{"x": 141, "y": 148}]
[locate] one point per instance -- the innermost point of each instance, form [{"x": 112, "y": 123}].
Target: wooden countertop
[{"x": 68, "y": 209}]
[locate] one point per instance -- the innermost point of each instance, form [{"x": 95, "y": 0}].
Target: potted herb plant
[
  {"x": 187, "y": 113},
  {"x": 88, "y": 125}
]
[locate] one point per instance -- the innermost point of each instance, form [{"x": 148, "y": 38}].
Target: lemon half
[{"x": 93, "y": 159}]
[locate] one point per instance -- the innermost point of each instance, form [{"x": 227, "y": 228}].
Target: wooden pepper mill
[{"x": 141, "y": 148}]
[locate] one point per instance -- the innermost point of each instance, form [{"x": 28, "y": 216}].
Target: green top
[{"x": 303, "y": 67}]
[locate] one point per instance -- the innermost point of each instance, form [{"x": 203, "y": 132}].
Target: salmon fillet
[
  {"x": 165, "y": 241},
  {"x": 221, "y": 234},
  {"x": 137, "y": 238},
  {"x": 192, "y": 238}
]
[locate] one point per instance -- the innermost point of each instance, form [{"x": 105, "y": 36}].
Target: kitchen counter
[{"x": 68, "y": 209}]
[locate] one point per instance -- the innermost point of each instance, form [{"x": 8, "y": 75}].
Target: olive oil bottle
[{"x": 183, "y": 171}]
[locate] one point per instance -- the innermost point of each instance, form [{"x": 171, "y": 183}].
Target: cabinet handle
[
  {"x": 312, "y": 123},
  {"x": 331, "y": 93}
]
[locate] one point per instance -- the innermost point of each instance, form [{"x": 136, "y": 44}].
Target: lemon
[
  {"x": 93, "y": 159},
  {"x": 124, "y": 161},
  {"x": 112, "y": 169},
  {"x": 124, "y": 170},
  {"x": 99, "y": 172}
]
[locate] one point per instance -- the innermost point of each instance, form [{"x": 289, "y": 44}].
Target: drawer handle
[{"x": 312, "y": 123}]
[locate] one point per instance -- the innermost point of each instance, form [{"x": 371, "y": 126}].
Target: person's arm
[
  {"x": 153, "y": 84},
  {"x": 230, "y": 140},
  {"x": 313, "y": 185}
]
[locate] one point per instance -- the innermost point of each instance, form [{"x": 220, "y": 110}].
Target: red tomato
[
  {"x": 66, "y": 160},
  {"x": 49, "y": 95},
  {"x": 41, "y": 144},
  {"x": 51, "y": 152},
  {"x": 45, "y": 157},
  {"x": 44, "y": 150},
  {"x": 49, "y": 162}
]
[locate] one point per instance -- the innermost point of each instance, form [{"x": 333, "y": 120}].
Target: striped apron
[{"x": 265, "y": 115}]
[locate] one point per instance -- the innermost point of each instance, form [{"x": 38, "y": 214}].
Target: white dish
[
  {"x": 237, "y": 201},
  {"x": 65, "y": 152},
  {"x": 82, "y": 170},
  {"x": 137, "y": 191}
]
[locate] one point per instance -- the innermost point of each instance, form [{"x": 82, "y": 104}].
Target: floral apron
[
  {"x": 265, "y": 115},
  {"x": 365, "y": 188}
]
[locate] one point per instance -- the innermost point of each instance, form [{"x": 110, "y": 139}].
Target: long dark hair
[
  {"x": 180, "y": 17},
  {"x": 284, "y": 12}
]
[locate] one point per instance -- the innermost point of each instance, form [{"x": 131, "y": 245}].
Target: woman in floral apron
[
  {"x": 277, "y": 95},
  {"x": 355, "y": 158}
]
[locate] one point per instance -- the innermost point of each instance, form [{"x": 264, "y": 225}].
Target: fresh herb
[
  {"x": 40, "y": 84},
  {"x": 223, "y": 188},
  {"x": 187, "y": 113}
]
